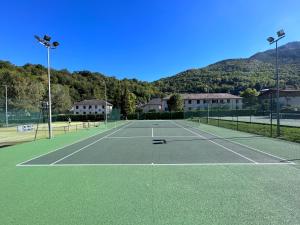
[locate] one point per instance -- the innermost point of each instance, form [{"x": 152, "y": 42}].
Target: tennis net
[{"x": 156, "y": 124}]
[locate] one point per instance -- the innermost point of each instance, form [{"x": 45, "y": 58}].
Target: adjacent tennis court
[{"x": 156, "y": 142}]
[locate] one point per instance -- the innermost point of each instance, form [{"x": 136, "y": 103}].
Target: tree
[
  {"x": 249, "y": 92},
  {"x": 117, "y": 96},
  {"x": 250, "y": 99},
  {"x": 61, "y": 100},
  {"x": 129, "y": 103},
  {"x": 175, "y": 103}
]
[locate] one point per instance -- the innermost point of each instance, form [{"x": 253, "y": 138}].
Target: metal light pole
[
  {"x": 6, "y": 113},
  {"x": 46, "y": 42},
  {"x": 271, "y": 40},
  {"x": 105, "y": 103}
]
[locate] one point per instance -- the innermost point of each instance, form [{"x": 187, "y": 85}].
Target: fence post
[
  {"x": 237, "y": 120},
  {"x": 218, "y": 116},
  {"x": 271, "y": 116}
]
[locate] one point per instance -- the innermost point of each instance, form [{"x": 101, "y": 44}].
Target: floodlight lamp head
[
  {"x": 47, "y": 38},
  {"x": 37, "y": 38},
  {"x": 55, "y": 44},
  {"x": 280, "y": 33},
  {"x": 270, "y": 40}
]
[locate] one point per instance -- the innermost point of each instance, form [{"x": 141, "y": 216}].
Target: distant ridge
[{"x": 235, "y": 75}]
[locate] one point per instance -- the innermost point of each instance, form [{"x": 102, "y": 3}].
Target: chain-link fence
[
  {"x": 256, "y": 115},
  {"x": 28, "y": 124}
]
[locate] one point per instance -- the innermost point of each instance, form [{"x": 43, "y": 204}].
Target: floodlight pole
[
  {"x": 271, "y": 40},
  {"x": 208, "y": 104},
  {"x": 46, "y": 42},
  {"x": 277, "y": 93},
  {"x": 105, "y": 103},
  {"x": 49, "y": 95}
]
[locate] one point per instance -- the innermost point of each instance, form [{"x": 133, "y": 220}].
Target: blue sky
[{"x": 143, "y": 39}]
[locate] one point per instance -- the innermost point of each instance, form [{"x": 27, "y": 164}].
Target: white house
[
  {"x": 154, "y": 105},
  {"x": 287, "y": 98},
  {"x": 204, "y": 100},
  {"x": 93, "y": 106}
]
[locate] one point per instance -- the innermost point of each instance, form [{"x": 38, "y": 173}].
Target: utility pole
[{"x": 6, "y": 106}]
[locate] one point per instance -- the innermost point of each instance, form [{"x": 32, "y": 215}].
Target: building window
[
  {"x": 96, "y": 107},
  {"x": 190, "y": 101},
  {"x": 190, "y": 108},
  {"x": 90, "y": 106},
  {"x": 198, "y": 101},
  {"x": 103, "y": 107},
  {"x": 222, "y": 101},
  {"x": 77, "y": 107},
  {"x": 84, "y": 107},
  {"x": 228, "y": 100},
  {"x": 77, "y": 112},
  {"x": 95, "y": 112},
  {"x": 214, "y": 101},
  {"x": 84, "y": 113},
  {"x": 237, "y": 101},
  {"x": 204, "y": 101}
]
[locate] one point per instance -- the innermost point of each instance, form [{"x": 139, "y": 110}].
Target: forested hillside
[
  {"x": 27, "y": 86},
  {"x": 235, "y": 75}
]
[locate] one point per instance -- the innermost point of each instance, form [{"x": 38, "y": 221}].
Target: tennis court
[
  {"x": 162, "y": 172},
  {"x": 264, "y": 120},
  {"x": 156, "y": 143}
]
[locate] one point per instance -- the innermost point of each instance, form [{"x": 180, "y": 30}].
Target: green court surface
[{"x": 151, "y": 172}]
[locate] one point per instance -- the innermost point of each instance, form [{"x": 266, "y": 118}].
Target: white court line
[
  {"x": 136, "y": 137},
  {"x": 222, "y": 146},
  {"x": 129, "y": 137},
  {"x": 88, "y": 145},
  {"x": 152, "y": 133},
  {"x": 246, "y": 146},
  {"x": 154, "y": 164},
  {"x": 80, "y": 140}
]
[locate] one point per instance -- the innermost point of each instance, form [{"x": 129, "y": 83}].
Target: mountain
[
  {"x": 27, "y": 85},
  {"x": 235, "y": 75},
  {"x": 288, "y": 54}
]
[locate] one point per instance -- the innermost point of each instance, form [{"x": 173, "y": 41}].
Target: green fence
[{"x": 261, "y": 123}]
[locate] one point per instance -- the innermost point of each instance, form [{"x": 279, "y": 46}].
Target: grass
[
  {"x": 287, "y": 133},
  {"x": 10, "y": 135},
  {"x": 227, "y": 195}
]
